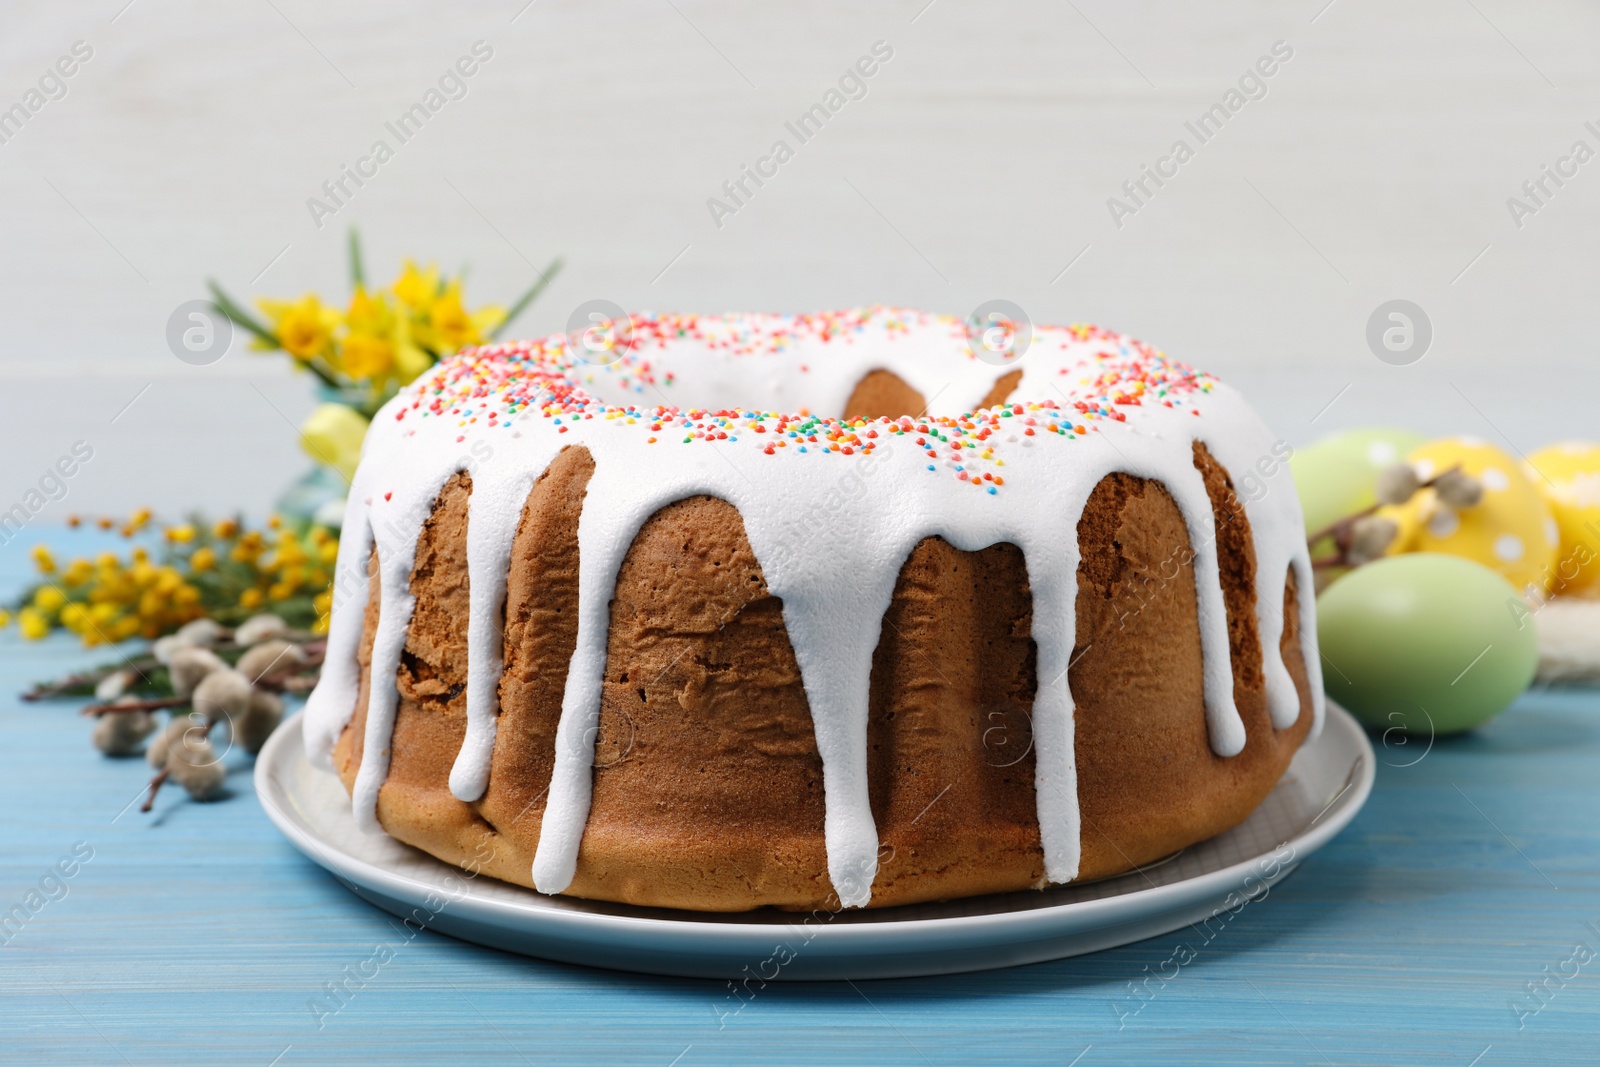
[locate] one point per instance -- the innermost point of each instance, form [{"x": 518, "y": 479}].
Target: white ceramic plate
[{"x": 1323, "y": 789}]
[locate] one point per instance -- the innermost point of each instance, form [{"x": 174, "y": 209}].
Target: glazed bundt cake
[{"x": 815, "y": 611}]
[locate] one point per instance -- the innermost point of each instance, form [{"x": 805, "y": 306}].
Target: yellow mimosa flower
[
  {"x": 5, "y": 618},
  {"x": 181, "y": 534},
  {"x": 33, "y": 625},
  {"x": 49, "y": 598},
  {"x": 203, "y": 559},
  {"x": 43, "y": 559}
]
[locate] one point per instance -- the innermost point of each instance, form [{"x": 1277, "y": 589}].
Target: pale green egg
[
  {"x": 1427, "y": 642},
  {"x": 1336, "y": 475}
]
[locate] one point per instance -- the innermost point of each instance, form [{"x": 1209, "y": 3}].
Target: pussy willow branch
[{"x": 1340, "y": 529}]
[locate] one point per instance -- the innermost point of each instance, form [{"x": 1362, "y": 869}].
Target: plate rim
[{"x": 287, "y": 741}]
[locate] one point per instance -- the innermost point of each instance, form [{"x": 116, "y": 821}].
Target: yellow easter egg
[
  {"x": 1568, "y": 477},
  {"x": 1509, "y": 530}
]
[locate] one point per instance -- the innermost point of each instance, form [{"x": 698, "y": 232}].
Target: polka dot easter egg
[
  {"x": 1568, "y": 476},
  {"x": 1509, "y": 529}
]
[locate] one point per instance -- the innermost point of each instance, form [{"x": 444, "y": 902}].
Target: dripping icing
[{"x": 835, "y": 585}]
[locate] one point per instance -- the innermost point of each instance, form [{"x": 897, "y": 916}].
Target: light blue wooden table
[{"x": 197, "y": 934}]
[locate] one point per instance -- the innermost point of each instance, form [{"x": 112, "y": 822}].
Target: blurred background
[{"x": 1376, "y": 163}]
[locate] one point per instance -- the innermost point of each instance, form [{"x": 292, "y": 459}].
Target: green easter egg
[
  {"x": 1335, "y": 476},
  {"x": 1425, "y": 641}
]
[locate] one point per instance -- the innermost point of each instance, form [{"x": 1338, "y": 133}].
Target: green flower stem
[
  {"x": 327, "y": 376},
  {"x": 239, "y": 315},
  {"x": 357, "y": 274}
]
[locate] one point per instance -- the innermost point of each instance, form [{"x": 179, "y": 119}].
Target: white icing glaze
[
  {"x": 830, "y": 530},
  {"x": 493, "y": 510},
  {"x": 333, "y": 701}
]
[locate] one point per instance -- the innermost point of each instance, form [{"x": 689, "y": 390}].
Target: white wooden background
[{"x": 978, "y": 166}]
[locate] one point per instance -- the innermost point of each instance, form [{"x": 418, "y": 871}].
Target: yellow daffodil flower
[
  {"x": 366, "y": 356},
  {"x": 418, "y": 289},
  {"x": 367, "y": 351},
  {"x": 410, "y": 359},
  {"x": 303, "y": 327},
  {"x": 333, "y": 435},
  {"x": 367, "y": 313},
  {"x": 452, "y": 327}
]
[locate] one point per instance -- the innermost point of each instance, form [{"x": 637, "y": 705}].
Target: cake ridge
[{"x": 835, "y": 586}]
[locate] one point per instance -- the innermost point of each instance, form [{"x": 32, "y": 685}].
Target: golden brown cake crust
[
  {"x": 949, "y": 738},
  {"x": 707, "y": 789}
]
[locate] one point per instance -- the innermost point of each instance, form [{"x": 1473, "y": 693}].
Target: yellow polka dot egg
[
  {"x": 1510, "y": 529},
  {"x": 1568, "y": 475}
]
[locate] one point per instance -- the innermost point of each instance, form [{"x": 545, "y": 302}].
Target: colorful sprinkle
[{"x": 540, "y": 379}]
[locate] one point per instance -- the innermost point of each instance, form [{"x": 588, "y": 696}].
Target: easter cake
[{"x": 815, "y": 611}]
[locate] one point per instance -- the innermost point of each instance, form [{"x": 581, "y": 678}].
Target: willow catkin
[
  {"x": 222, "y": 694},
  {"x": 194, "y": 764},
  {"x": 120, "y": 733},
  {"x": 189, "y": 666},
  {"x": 253, "y": 728},
  {"x": 270, "y": 658},
  {"x": 259, "y": 628}
]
